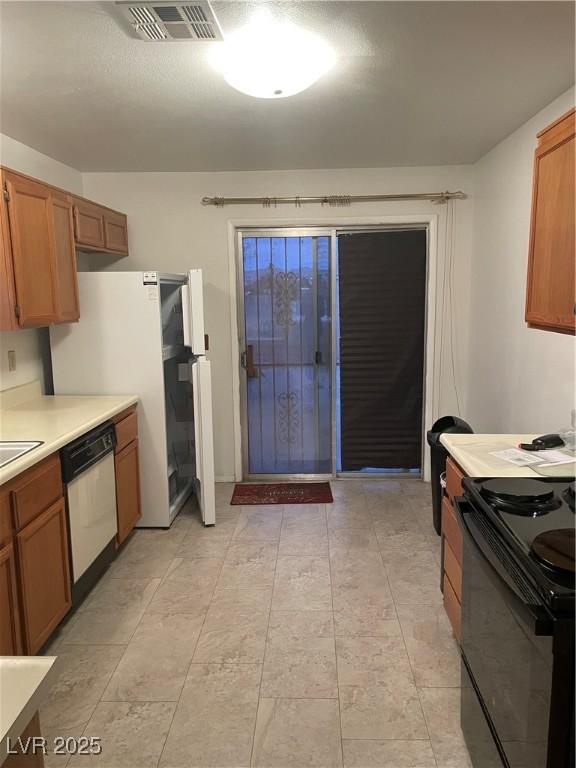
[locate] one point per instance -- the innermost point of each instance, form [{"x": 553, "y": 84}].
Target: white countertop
[
  {"x": 472, "y": 453},
  {"x": 22, "y": 681},
  {"x": 55, "y": 420}
]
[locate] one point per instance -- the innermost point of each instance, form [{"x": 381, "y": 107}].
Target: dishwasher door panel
[{"x": 92, "y": 513}]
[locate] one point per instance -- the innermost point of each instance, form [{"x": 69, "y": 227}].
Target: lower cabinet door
[
  {"x": 127, "y": 489},
  {"x": 23, "y": 755},
  {"x": 10, "y": 638},
  {"x": 44, "y": 575}
]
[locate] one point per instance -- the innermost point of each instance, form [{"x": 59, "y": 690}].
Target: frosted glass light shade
[{"x": 271, "y": 59}]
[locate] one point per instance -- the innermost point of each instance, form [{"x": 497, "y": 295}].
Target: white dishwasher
[{"x": 88, "y": 472}]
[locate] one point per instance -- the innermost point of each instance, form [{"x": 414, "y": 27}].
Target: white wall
[
  {"x": 19, "y": 157},
  {"x": 170, "y": 230},
  {"x": 519, "y": 379},
  {"x": 31, "y": 346},
  {"x": 510, "y": 378}
]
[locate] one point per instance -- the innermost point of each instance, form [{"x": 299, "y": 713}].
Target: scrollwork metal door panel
[{"x": 287, "y": 355}]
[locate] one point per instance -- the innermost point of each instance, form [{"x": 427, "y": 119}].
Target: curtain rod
[{"x": 333, "y": 201}]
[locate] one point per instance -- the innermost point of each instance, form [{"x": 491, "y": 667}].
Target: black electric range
[
  {"x": 536, "y": 519},
  {"x": 518, "y": 596}
]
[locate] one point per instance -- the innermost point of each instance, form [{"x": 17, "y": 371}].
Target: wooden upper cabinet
[
  {"x": 8, "y": 319},
  {"x": 67, "y": 296},
  {"x": 116, "y": 232},
  {"x": 98, "y": 228},
  {"x": 551, "y": 295},
  {"x": 40, "y": 228},
  {"x": 88, "y": 224},
  {"x": 31, "y": 224}
]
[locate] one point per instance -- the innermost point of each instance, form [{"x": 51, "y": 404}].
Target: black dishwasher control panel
[{"x": 82, "y": 453}]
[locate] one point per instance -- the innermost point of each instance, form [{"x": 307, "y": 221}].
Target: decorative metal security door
[{"x": 286, "y": 325}]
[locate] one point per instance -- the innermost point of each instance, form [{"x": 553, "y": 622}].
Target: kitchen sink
[{"x": 11, "y": 450}]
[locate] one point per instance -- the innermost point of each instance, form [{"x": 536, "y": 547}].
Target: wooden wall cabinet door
[
  {"x": 10, "y": 638},
  {"x": 67, "y": 296},
  {"x": 33, "y": 252},
  {"x": 550, "y": 294},
  {"x": 89, "y": 224},
  {"x": 127, "y": 489},
  {"x": 44, "y": 572},
  {"x": 115, "y": 232},
  {"x": 8, "y": 319}
]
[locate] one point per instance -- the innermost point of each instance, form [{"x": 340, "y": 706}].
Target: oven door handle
[{"x": 533, "y": 615}]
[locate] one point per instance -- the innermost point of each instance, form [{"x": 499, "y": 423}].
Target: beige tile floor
[{"x": 285, "y": 637}]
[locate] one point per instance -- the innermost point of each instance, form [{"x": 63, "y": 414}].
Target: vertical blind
[{"x": 382, "y": 295}]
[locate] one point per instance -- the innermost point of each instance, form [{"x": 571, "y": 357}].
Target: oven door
[{"x": 507, "y": 650}]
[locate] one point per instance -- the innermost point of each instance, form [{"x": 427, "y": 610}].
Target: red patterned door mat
[{"x": 282, "y": 493}]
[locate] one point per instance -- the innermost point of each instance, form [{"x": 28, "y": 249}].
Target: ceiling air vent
[{"x": 166, "y": 22}]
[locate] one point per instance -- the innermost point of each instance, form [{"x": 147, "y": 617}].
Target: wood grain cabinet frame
[
  {"x": 550, "y": 292},
  {"x": 127, "y": 469},
  {"x": 35, "y": 590},
  {"x": 44, "y": 573},
  {"x": 452, "y": 548},
  {"x": 10, "y": 635},
  {"x": 115, "y": 232},
  {"x": 67, "y": 294},
  {"x": 38, "y": 257},
  {"x": 126, "y": 464},
  {"x": 40, "y": 228},
  {"x": 35, "y": 490},
  {"x": 33, "y": 250},
  {"x": 22, "y": 757},
  {"x": 98, "y": 228},
  {"x": 88, "y": 224}
]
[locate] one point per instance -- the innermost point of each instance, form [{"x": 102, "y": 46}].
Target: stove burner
[
  {"x": 556, "y": 549},
  {"x": 520, "y": 496}
]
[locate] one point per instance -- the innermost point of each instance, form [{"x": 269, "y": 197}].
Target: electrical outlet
[{"x": 11, "y": 359}]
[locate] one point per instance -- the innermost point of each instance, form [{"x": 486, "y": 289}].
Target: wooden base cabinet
[
  {"x": 10, "y": 637},
  {"x": 127, "y": 490},
  {"x": 29, "y": 758},
  {"x": 127, "y": 469},
  {"x": 452, "y": 548},
  {"x": 44, "y": 574},
  {"x": 35, "y": 589}
]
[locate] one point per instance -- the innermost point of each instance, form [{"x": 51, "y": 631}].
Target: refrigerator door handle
[{"x": 185, "y": 295}]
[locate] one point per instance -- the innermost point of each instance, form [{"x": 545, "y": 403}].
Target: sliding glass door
[
  {"x": 381, "y": 346},
  {"x": 286, "y": 343},
  {"x": 332, "y": 327}
]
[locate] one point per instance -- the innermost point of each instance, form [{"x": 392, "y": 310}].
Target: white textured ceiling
[{"x": 417, "y": 83}]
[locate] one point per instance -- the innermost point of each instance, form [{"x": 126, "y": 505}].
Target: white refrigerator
[{"x": 142, "y": 333}]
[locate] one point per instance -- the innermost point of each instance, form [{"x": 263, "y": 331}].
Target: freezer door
[
  {"x": 195, "y": 312},
  {"x": 203, "y": 439}
]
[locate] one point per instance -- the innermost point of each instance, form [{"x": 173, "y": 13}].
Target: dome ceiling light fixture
[{"x": 272, "y": 59}]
